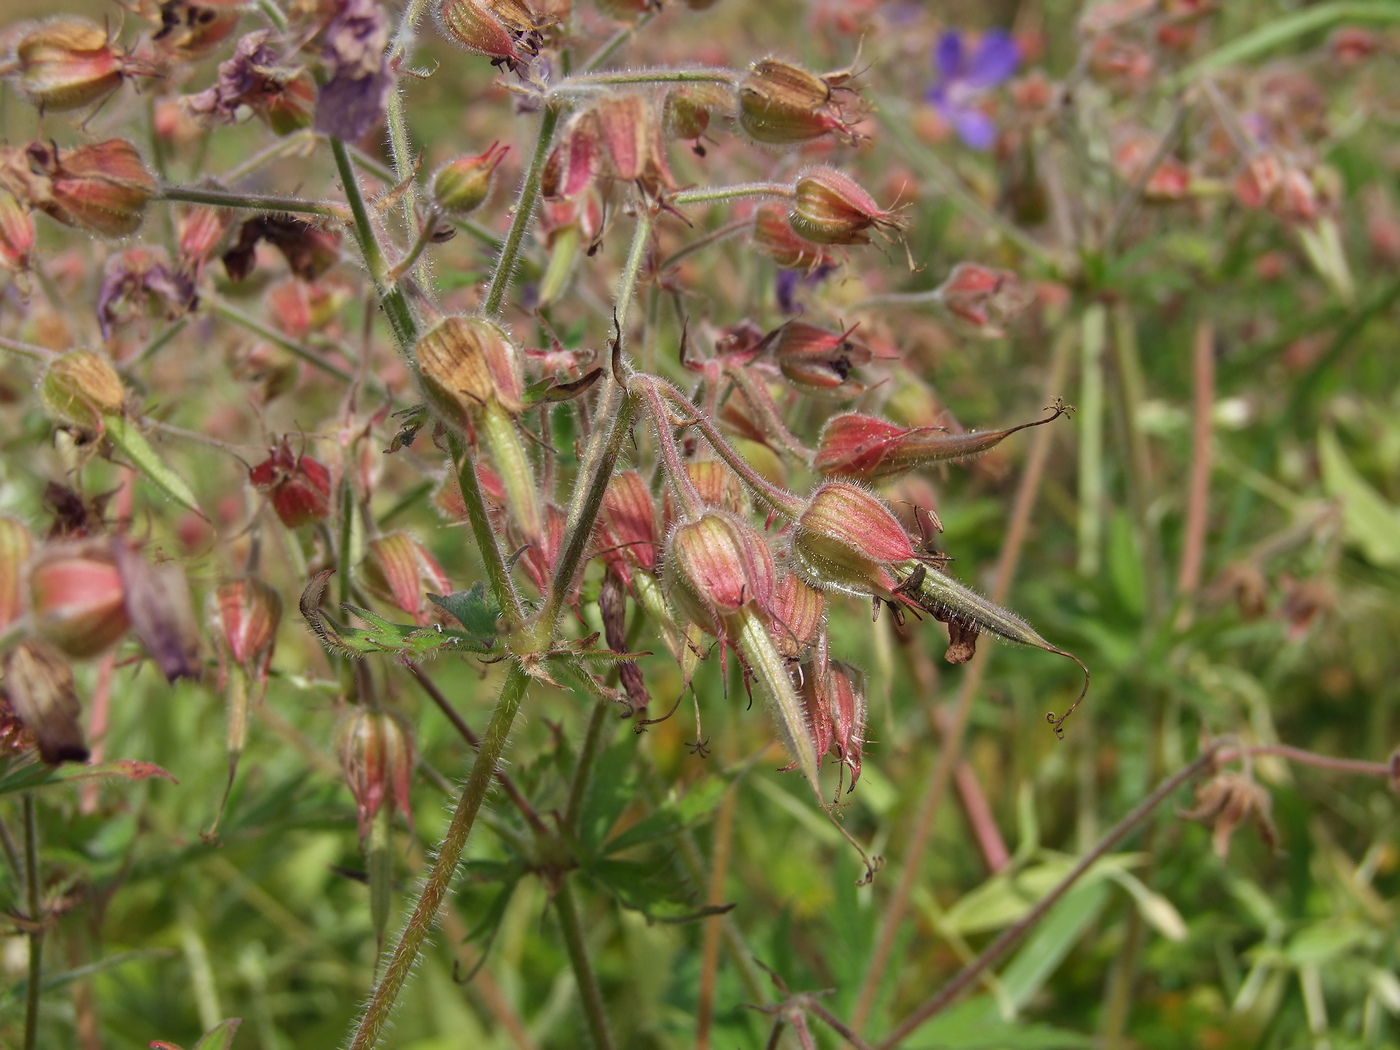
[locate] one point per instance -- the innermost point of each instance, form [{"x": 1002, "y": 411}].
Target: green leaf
[
  {"x": 474, "y": 609},
  {"x": 30, "y": 777},
  {"x": 1054, "y": 936},
  {"x": 651, "y": 887},
  {"x": 974, "y": 1025},
  {"x": 1371, "y": 523},
  {"x": 611, "y": 787},
  {"x": 133, "y": 444},
  {"x": 673, "y": 817},
  {"x": 409, "y": 641}
]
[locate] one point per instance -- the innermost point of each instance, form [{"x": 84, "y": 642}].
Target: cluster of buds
[
  {"x": 102, "y": 188},
  {"x": 617, "y": 139},
  {"x": 1289, "y": 191}
]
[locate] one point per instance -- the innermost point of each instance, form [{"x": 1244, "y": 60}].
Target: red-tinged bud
[
  {"x": 1352, "y": 45},
  {"x": 1125, "y": 63},
  {"x": 774, "y": 236},
  {"x": 77, "y": 598},
  {"x": 717, "y": 486},
  {"x": 462, "y": 185},
  {"x": 632, "y": 141},
  {"x": 542, "y": 554},
  {"x": 400, "y": 570},
  {"x": 1170, "y": 180},
  {"x": 831, "y": 209},
  {"x": 845, "y": 692},
  {"x": 38, "y": 683},
  {"x": 816, "y": 706},
  {"x": 689, "y": 110},
  {"x": 67, "y": 63},
  {"x": 576, "y": 162},
  {"x": 102, "y": 188},
  {"x": 799, "y": 611},
  {"x": 1297, "y": 199},
  {"x": 781, "y": 104},
  {"x": 506, "y": 31},
  {"x": 292, "y": 107},
  {"x": 627, "y": 525},
  {"x": 80, "y": 388},
  {"x": 376, "y": 753},
  {"x": 16, "y": 547},
  {"x": 466, "y": 364},
  {"x": 243, "y": 617},
  {"x": 716, "y": 566},
  {"x": 199, "y": 232},
  {"x": 819, "y": 361},
  {"x": 848, "y": 539},
  {"x": 297, "y": 486},
  {"x": 16, "y": 233},
  {"x": 1260, "y": 180},
  {"x": 983, "y": 296},
  {"x": 162, "y": 616}
]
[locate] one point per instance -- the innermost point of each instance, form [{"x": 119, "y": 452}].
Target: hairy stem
[
  {"x": 497, "y": 575},
  {"x": 524, "y": 210},
  {"x": 33, "y": 907},
  {"x": 589, "y": 992},
  {"x": 250, "y": 201}
]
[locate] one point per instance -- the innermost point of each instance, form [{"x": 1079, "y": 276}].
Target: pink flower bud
[
  {"x": 77, "y": 597},
  {"x": 845, "y": 691},
  {"x": 377, "y": 755},
  {"x": 67, "y": 63},
  {"x": 627, "y": 525},
  {"x": 506, "y": 31},
  {"x": 462, "y": 185},
  {"x": 782, "y": 104},
  {"x": 16, "y": 233},
  {"x": 243, "y": 616},
  {"x": 819, "y": 361},
  {"x": 16, "y": 547},
  {"x": 983, "y": 296},
  {"x": 717, "y": 485},
  {"x": 38, "y": 683},
  {"x": 831, "y": 209},
  {"x": 80, "y": 388},
  {"x": 297, "y": 486},
  {"x": 102, "y": 188},
  {"x": 716, "y": 566},
  {"x": 466, "y": 363},
  {"x": 799, "y": 611},
  {"x": 199, "y": 231},
  {"x": 774, "y": 236},
  {"x": 848, "y": 539},
  {"x": 576, "y": 163},
  {"x": 400, "y": 570}
]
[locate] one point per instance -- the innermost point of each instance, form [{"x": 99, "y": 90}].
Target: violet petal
[{"x": 996, "y": 60}]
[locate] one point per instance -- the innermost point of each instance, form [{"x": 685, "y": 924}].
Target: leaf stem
[
  {"x": 737, "y": 190},
  {"x": 662, "y": 75}
]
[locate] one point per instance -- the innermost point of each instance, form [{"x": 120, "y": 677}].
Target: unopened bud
[
  {"x": 848, "y": 539},
  {"x": 376, "y": 753},
  {"x": 819, "y": 361},
  {"x": 627, "y": 525},
  {"x": 39, "y": 686},
  {"x": 77, "y": 598},
  {"x": 689, "y": 110},
  {"x": 16, "y": 233},
  {"x": 716, "y": 566},
  {"x": 465, "y": 364},
  {"x": 67, "y": 63},
  {"x": 717, "y": 485},
  {"x": 782, "y": 104},
  {"x": 81, "y": 387},
  {"x": 774, "y": 236},
  {"x": 831, "y": 209},
  {"x": 297, "y": 486},
  {"x": 102, "y": 188},
  {"x": 16, "y": 546},
  {"x": 845, "y": 690},
  {"x": 162, "y": 616},
  {"x": 576, "y": 162},
  {"x": 400, "y": 570},
  {"x": 462, "y": 185},
  {"x": 199, "y": 232},
  {"x": 799, "y": 610},
  {"x": 983, "y": 296},
  {"x": 473, "y": 25},
  {"x": 244, "y": 615}
]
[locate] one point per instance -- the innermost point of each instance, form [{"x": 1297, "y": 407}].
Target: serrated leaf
[
  {"x": 408, "y": 641},
  {"x": 1371, "y": 523},
  {"x": 673, "y": 817},
  {"x": 612, "y": 785},
  {"x": 474, "y": 609},
  {"x": 139, "y": 453},
  {"x": 650, "y": 887}
]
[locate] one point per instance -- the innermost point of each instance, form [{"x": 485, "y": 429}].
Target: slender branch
[
  {"x": 720, "y": 233},
  {"x": 729, "y": 193},
  {"x": 893, "y": 920},
  {"x": 524, "y": 211},
  {"x": 1198, "y": 488},
  {"x": 283, "y": 145},
  {"x": 1308, "y": 758},
  {"x": 439, "y": 880},
  {"x": 33, "y": 907},
  {"x": 583, "y": 768},
  {"x": 1012, "y": 934},
  {"x": 588, "y": 990},
  {"x": 610, "y": 46},
  {"x": 661, "y": 75},
  {"x": 250, "y": 201},
  {"x": 29, "y": 350},
  {"x": 230, "y": 312},
  {"x": 502, "y": 586}
]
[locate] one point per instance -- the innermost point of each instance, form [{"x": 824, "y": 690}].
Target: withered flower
[
  {"x": 138, "y": 282},
  {"x": 310, "y": 250},
  {"x": 353, "y": 100},
  {"x": 38, "y": 685},
  {"x": 1225, "y": 802}
]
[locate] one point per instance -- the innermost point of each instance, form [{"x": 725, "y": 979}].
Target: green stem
[
  {"x": 740, "y": 189},
  {"x": 588, "y": 990},
  {"x": 524, "y": 210},
  {"x": 1090, "y": 421},
  {"x": 30, "y": 350},
  {"x": 593, "y": 81},
  {"x": 392, "y": 299},
  {"x": 283, "y": 145},
  {"x": 498, "y": 433},
  {"x": 715, "y": 236},
  {"x": 610, "y": 46},
  {"x": 36, "y": 934},
  {"x": 496, "y": 572},
  {"x": 230, "y": 312},
  {"x": 249, "y": 201},
  {"x": 578, "y": 787},
  {"x": 274, "y": 14},
  {"x": 439, "y": 880},
  {"x": 399, "y": 146}
]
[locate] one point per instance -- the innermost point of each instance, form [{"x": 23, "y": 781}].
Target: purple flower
[
  {"x": 963, "y": 79},
  {"x": 789, "y": 281}
]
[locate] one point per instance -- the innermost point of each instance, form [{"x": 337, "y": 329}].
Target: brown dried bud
[
  {"x": 848, "y": 539},
  {"x": 984, "y": 297},
  {"x": 462, "y": 185},
  {"x": 66, "y": 63},
  {"x": 1228, "y": 800},
  {"x": 818, "y": 361},
  {"x": 77, "y": 597},
  {"x": 831, "y": 209},
  {"x": 782, "y": 104},
  {"x": 162, "y": 616},
  {"x": 400, "y": 570},
  {"x": 465, "y": 364},
  {"x": 376, "y": 753},
  {"x": 716, "y": 566},
  {"x": 243, "y": 616},
  {"x": 297, "y": 486},
  {"x": 39, "y": 686},
  {"x": 81, "y": 387}
]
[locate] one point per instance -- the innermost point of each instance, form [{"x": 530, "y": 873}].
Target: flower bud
[
  {"x": 16, "y": 546},
  {"x": 297, "y": 486},
  {"x": 689, "y": 109},
  {"x": 775, "y": 237},
  {"x": 400, "y": 570},
  {"x": 102, "y": 188},
  {"x": 799, "y": 610},
  {"x": 243, "y": 617},
  {"x": 576, "y": 162},
  {"x": 77, "y": 597},
  {"x": 477, "y": 25},
  {"x": 845, "y": 691},
  {"x": 717, "y": 485},
  {"x": 376, "y": 753},
  {"x": 67, "y": 63},
  {"x": 831, "y": 209},
  {"x": 848, "y": 539},
  {"x": 462, "y": 185},
  {"x": 81, "y": 387},
  {"x": 162, "y": 617},
  {"x": 16, "y": 233},
  {"x": 38, "y": 684},
  {"x": 198, "y": 232},
  {"x": 782, "y": 104},
  {"x": 983, "y": 296},
  {"x": 465, "y": 364},
  {"x": 819, "y": 361},
  {"x": 627, "y": 525},
  {"x": 716, "y": 566}
]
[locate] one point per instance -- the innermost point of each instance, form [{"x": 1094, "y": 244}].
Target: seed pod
[
  {"x": 848, "y": 539},
  {"x": 39, "y": 686},
  {"x": 297, "y": 486},
  {"x": 377, "y": 755},
  {"x": 66, "y": 63},
  {"x": 162, "y": 616},
  {"x": 782, "y": 104},
  {"x": 462, "y": 185},
  {"x": 81, "y": 387},
  {"x": 716, "y": 566},
  {"x": 627, "y": 525},
  {"x": 401, "y": 571},
  {"x": 845, "y": 690},
  {"x": 830, "y": 208},
  {"x": 576, "y": 162},
  {"x": 799, "y": 611},
  {"x": 77, "y": 597},
  {"x": 717, "y": 485},
  {"x": 818, "y": 361},
  {"x": 983, "y": 296},
  {"x": 466, "y": 363},
  {"x": 102, "y": 188}
]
